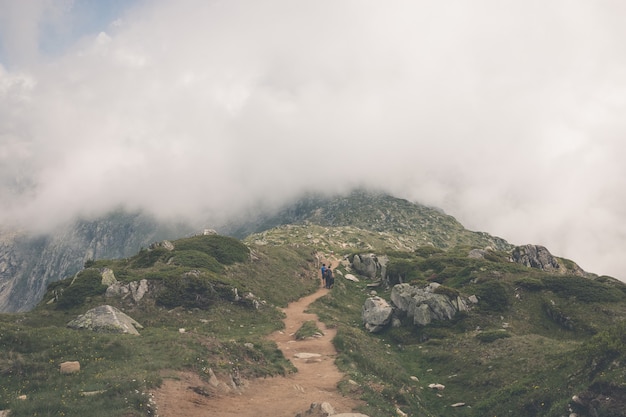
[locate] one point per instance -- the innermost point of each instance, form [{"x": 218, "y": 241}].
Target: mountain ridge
[{"x": 29, "y": 263}]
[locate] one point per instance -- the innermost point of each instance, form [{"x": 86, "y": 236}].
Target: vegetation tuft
[{"x": 308, "y": 329}]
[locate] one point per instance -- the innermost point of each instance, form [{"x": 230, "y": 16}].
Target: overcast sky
[{"x": 509, "y": 115}]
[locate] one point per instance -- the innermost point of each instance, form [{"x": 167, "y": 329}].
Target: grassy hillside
[
  {"x": 193, "y": 290},
  {"x": 534, "y": 340}
]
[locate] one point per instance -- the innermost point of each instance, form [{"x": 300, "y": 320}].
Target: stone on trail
[
  {"x": 325, "y": 410},
  {"x": 304, "y": 355}
]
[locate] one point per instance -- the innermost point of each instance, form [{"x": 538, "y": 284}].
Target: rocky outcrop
[
  {"x": 106, "y": 319},
  {"x": 30, "y": 261},
  {"x": 134, "y": 290},
  {"x": 423, "y": 305},
  {"x": 535, "y": 256},
  {"x": 376, "y": 314}
]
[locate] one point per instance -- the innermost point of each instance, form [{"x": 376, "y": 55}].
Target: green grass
[
  {"x": 222, "y": 332},
  {"x": 515, "y": 353},
  {"x": 531, "y": 368},
  {"x": 308, "y": 329}
]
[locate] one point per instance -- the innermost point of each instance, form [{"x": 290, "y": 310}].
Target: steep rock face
[
  {"x": 536, "y": 256},
  {"x": 28, "y": 263}
]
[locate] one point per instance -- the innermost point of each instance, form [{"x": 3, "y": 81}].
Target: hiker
[
  {"x": 323, "y": 274},
  {"x": 330, "y": 280}
]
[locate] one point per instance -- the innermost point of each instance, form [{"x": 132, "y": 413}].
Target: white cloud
[{"x": 507, "y": 115}]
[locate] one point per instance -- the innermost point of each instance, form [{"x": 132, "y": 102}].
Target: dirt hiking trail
[{"x": 315, "y": 382}]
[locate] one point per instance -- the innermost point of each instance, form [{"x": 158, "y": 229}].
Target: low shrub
[
  {"x": 308, "y": 329},
  {"x": 451, "y": 293},
  {"x": 88, "y": 283},
  {"x": 491, "y": 336},
  {"x": 530, "y": 284},
  {"x": 226, "y": 250},
  {"x": 493, "y": 296},
  {"x": 190, "y": 291},
  {"x": 148, "y": 257},
  {"x": 197, "y": 259},
  {"x": 402, "y": 270},
  {"x": 584, "y": 289}
]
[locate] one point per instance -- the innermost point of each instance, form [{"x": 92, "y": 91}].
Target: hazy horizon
[{"x": 506, "y": 115}]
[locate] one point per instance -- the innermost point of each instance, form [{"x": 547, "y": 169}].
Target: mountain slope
[
  {"x": 28, "y": 263},
  {"x": 381, "y": 213},
  {"x": 532, "y": 339}
]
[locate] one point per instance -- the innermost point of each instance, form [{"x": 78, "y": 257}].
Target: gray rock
[
  {"x": 108, "y": 277},
  {"x": 376, "y": 314},
  {"x": 423, "y": 305},
  {"x": 369, "y": 265},
  {"x": 106, "y": 319},
  {"x": 135, "y": 289},
  {"x": 477, "y": 254},
  {"x": 351, "y": 277},
  {"x": 325, "y": 410},
  {"x": 166, "y": 244},
  {"x": 535, "y": 256}
]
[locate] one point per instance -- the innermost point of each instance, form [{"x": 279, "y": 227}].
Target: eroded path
[{"x": 315, "y": 381}]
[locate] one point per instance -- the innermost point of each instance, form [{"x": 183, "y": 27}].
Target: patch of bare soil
[{"x": 187, "y": 395}]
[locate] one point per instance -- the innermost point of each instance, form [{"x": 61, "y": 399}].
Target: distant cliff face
[{"x": 29, "y": 263}]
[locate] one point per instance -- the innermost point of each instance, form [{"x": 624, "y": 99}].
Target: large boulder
[
  {"x": 376, "y": 314},
  {"x": 106, "y": 319},
  {"x": 423, "y": 305},
  {"x": 369, "y": 265}
]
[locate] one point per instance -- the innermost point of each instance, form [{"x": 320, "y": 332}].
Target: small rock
[
  {"x": 70, "y": 367},
  {"x": 91, "y": 393},
  {"x": 414, "y": 378},
  {"x": 436, "y": 386},
  {"x": 351, "y": 277},
  {"x": 304, "y": 355},
  {"x": 458, "y": 405}
]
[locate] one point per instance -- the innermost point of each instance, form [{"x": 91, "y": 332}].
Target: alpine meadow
[{"x": 431, "y": 319}]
